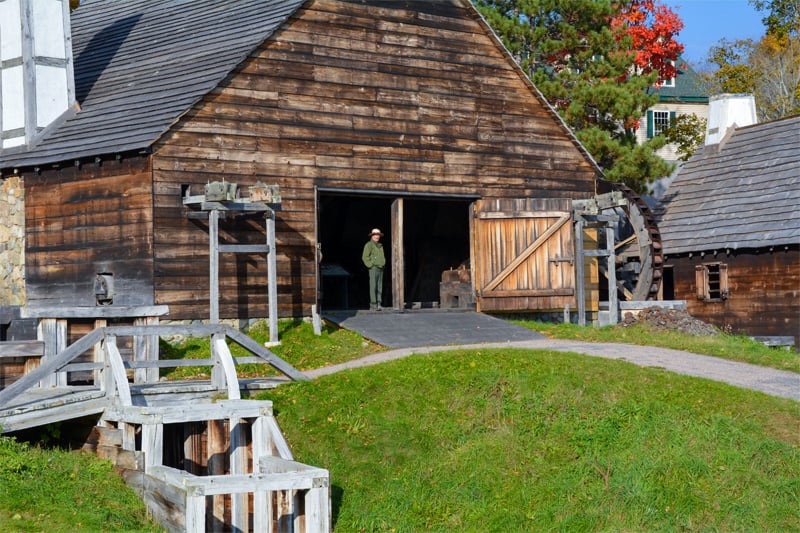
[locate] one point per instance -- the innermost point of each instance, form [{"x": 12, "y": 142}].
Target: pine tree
[{"x": 595, "y": 61}]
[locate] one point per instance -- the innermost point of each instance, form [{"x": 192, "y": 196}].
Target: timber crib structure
[{"x": 202, "y": 458}]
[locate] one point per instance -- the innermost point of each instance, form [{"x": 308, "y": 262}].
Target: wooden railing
[
  {"x": 110, "y": 370},
  {"x": 249, "y": 474}
]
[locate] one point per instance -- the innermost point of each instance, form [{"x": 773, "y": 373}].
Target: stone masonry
[{"x": 12, "y": 241}]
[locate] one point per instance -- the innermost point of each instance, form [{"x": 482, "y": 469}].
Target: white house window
[
  {"x": 658, "y": 122},
  {"x": 711, "y": 280}
]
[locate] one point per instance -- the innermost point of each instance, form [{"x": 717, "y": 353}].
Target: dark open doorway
[
  {"x": 436, "y": 238},
  {"x": 344, "y": 226}
]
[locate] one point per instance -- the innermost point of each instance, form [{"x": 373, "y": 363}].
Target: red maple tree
[{"x": 653, "y": 28}]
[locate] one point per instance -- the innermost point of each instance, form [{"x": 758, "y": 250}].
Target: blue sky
[{"x": 708, "y": 21}]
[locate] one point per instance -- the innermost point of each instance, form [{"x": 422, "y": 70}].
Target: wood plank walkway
[{"x": 407, "y": 329}]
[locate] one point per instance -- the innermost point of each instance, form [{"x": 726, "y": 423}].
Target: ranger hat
[{"x": 376, "y": 231}]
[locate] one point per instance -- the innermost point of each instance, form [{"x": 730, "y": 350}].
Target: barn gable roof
[
  {"x": 741, "y": 194},
  {"x": 141, "y": 65}
]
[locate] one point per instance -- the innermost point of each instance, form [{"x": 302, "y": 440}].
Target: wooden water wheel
[{"x": 639, "y": 257}]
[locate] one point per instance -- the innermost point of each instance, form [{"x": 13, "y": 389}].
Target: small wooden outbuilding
[
  {"x": 405, "y": 115},
  {"x": 730, "y": 228}
]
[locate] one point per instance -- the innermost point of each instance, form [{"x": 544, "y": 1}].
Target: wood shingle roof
[
  {"x": 140, "y": 65},
  {"x": 741, "y": 194}
]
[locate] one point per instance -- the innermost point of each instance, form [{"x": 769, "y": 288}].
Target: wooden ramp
[{"x": 409, "y": 329}]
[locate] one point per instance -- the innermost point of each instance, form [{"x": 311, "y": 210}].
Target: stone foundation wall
[{"x": 12, "y": 241}]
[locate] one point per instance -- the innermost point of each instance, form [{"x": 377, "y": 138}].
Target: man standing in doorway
[{"x": 374, "y": 259}]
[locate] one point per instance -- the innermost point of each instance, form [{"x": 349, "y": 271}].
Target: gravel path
[{"x": 767, "y": 380}]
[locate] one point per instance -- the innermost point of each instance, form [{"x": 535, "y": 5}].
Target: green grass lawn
[
  {"x": 60, "y": 491},
  {"x": 299, "y": 347},
  {"x": 517, "y": 440},
  {"x": 487, "y": 440},
  {"x": 732, "y": 347}
]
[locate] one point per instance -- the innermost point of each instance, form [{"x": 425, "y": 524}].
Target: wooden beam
[
  {"x": 55, "y": 363},
  {"x": 398, "y": 257},
  {"x": 246, "y": 342},
  {"x": 613, "y": 306},
  {"x": 580, "y": 282},
  {"x": 224, "y": 365},
  {"x": 117, "y": 368},
  {"x": 95, "y": 312},
  {"x": 213, "y": 257},
  {"x": 272, "y": 277},
  {"x": 21, "y": 349},
  {"x": 501, "y": 215}
]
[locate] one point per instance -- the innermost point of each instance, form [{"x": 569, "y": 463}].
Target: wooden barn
[
  {"x": 730, "y": 228},
  {"x": 405, "y": 115}
]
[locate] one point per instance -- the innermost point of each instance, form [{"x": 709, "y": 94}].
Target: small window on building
[
  {"x": 658, "y": 122},
  {"x": 712, "y": 282}
]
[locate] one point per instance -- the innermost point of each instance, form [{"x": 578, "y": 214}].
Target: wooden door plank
[{"x": 535, "y": 245}]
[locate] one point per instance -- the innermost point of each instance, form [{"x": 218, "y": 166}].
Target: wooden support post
[
  {"x": 580, "y": 284},
  {"x": 53, "y": 333},
  {"x": 317, "y": 504},
  {"x": 613, "y": 305},
  {"x": 217, "y": 446},
  {"x": 61, "y": 345},
  {"x": 472, "y": 259},
  {"x": 262, "y": 500},
  {"x": 213, "y": 260},
  {"x": 238, "y": 460},
  {"x": 98, "y": 356},
  {"x": 128, "y": 436},
  {"x": 272, "y": 281},
  {"x": 398, "y": 259},
  {"x": 145, "y": 348},
  {"x": 195, "y": 519},
  {"x": 153, "y": 445}
]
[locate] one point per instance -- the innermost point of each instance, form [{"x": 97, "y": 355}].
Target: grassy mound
[{"x": 513, "y": 440}]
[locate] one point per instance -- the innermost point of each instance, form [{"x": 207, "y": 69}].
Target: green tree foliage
[
  {"x": 733, "y": 74},
  {"x": 768, "y": 68},
  {"x": 781, "y": 17},
  {"x": 580, "y": 55},
  {"x": 688, "y": 133}
]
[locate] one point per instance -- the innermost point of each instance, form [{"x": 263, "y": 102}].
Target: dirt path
[{"x": 767, "y": 380}]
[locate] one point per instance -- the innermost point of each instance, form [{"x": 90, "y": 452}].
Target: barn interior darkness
[{"x": 436, "y": 239}]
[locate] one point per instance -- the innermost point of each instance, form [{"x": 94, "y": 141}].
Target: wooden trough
[
  {"x": 201, "y": 463},
  {"x": 234, "y": 470}
]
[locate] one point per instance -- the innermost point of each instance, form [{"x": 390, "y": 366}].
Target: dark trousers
[{"x": 375, "y": 287}]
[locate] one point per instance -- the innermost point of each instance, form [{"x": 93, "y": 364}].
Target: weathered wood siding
[
  {"x": 410, "y": 97},
  {"x": 89, "y": 219},
  {"x": 764, "y": 292}
]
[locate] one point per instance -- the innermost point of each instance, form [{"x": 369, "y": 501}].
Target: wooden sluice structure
[{"x": 202, "y": 458}]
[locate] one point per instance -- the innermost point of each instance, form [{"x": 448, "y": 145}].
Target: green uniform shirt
[{"x": 373, "y": 255}]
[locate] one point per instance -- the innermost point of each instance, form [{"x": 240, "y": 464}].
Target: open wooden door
[{"x": 523, "y": 254}]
